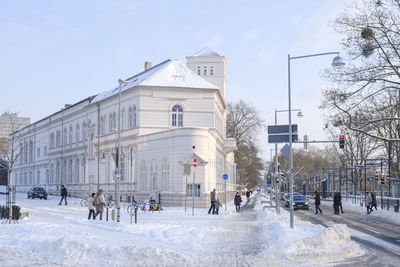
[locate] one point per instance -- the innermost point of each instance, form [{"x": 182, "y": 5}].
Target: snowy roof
[
  {"x": 170, "y": 73},
  {"x": 206, "y": 52}
]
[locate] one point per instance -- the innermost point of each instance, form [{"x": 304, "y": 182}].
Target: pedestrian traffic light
[{"x": 341, "y": 141}]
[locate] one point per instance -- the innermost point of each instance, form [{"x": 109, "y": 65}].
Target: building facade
[
  {"x": 10, "y": 122},
  {"x": 170, "y": 113}
]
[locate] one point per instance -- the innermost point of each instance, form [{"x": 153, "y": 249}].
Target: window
[
  {"x": 211, "y": 71},
  {"x": 205, "y": 71},
  {"x": 102, "y": 125},
  {"x": 65, "y": 140},
  {"x": 198, "y": 71},
  {"x": 132, "y": 117},
  {"x": 70, "y": 135},
  {"x": 122, "y": 121},
  {"x": 38, "y": 177},
  {"x": 77, "y": 133},
  {"x": 38, "y": 152},
  {"x": 177, "y": 116},
  {"x": 76, "y": 171},
  {"x": 112, "y": 122},
  {"x": 193, "y": 190},
  {"x": 31, "y": 151},
  {"x": 70, "y": 171},
  {"x": 143, "y": 176},
  {"x": 84, "y": 133},
  {"x": 122, "y": 170},
  {"x": 52, "y": 140},
  {"x": 45, "y": 151},
  {"x": 47, "y": 176},
  {"x": 58, "y": 138}
]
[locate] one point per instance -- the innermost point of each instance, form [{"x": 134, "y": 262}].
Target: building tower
[{"x": 211, "y": 66}]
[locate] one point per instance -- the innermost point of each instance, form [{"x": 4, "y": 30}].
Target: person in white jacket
[{"x": 91, "y": 206}]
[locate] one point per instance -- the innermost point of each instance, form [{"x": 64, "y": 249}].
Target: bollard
[
  {"x": 113, "y": 214},
  {"x": 388, "y": 204},
  {"x": 136, "y": 215},
  {"x": 396, "y": 207},
  {"x": 107, "y": 214}
]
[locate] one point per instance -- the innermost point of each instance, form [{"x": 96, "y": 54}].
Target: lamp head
[
  {"x": 338, "y": 61},
  {"x": 300, "y": 114},
  {"x": 122, "y": 81}
]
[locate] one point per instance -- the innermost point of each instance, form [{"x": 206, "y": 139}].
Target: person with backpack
[
  {"x": 212, "y": 200},
  {"x": 91, "y": 206},
  {"x": 238, "y": 201},
  {"x": 99, "y": 204},
  {"x": 63, "y": 193}
]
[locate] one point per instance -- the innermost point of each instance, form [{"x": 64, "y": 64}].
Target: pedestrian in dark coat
[
  {"x": 64, "y": 193},
  {"x": 237, "y": 201},
  {"x": 340, "y": 201},
  {"x": 212, "y": 200},
  {"x": 317, "y": 203},
  {"x": 373, "y": 202},
  {"x": 248, "y": 195},
  {"x": 336, "y": 203}
]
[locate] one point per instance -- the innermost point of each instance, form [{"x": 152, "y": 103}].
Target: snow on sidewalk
[{"x": 56, "y": 235}]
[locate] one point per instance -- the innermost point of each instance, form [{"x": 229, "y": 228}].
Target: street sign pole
[
  {"x": 225, "y": 177},
  {"x": 194, "y": 178},
  {"x": 225, "y": 194}
]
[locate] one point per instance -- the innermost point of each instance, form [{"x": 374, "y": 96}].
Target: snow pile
[{"x": 307, "y": 243}]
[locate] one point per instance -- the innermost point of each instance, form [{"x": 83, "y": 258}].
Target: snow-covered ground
[{"x": 56, "y": 235}]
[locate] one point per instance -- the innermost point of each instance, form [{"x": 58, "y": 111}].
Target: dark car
[
  {"x": 37, "y": 192},
  {"x": 299, "y": 202}
]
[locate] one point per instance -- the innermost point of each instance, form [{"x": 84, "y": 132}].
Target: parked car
[
  {"x": 37, "y": 192},
  {"x": 299, "y": 202}
]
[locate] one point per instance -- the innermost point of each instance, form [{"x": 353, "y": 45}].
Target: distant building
[
  {"x": 171, "y": 113},
  {"x": 10, "y": 122}
]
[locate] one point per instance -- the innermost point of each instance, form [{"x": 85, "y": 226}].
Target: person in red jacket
[{"x": 237, "y": 201}]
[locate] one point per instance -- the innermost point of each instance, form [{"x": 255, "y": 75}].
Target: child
[
  {"x": 91, "y": 206},
  {"x": 217, "y": 206}
]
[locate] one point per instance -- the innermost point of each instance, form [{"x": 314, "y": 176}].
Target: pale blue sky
[{"x": 58, "y": 52}]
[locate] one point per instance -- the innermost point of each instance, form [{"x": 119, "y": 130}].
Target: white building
[
  {"x": 170, "y": 113},
  {"x": 10, "y": 122}
]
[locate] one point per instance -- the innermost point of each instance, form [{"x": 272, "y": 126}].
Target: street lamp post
[
  {"x": 277, "y": 174},
  {"x": 337, "y": 61},
  {"x": 117, "y": 153}
]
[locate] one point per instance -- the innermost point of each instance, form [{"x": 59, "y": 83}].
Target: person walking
[
  {"x": 64, "y": 193},
  {"x": 248, "y": 195},
  {"x": 212, "y": 200},
  {"x": 237, "y": 201},
  {"x": 340, "y": 202},
  {"x": 373, "y": 201},
  {"x": 368, "y": 202},
  {"x": 91, "y": 206},
  {"x": 99, "y": 204},
  {"x": 336, "y": 203},
  {"x": 317, "y": 202},
  {"x": 217, "y": 206}
]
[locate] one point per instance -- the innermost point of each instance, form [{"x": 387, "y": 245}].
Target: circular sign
[
  {"x": 225, "y": 176},
  {"x": 115, "y": 172},
  {"x": 194, "y": 162}
]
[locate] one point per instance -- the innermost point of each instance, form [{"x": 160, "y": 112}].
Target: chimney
[{"x": 147, "y": 65}]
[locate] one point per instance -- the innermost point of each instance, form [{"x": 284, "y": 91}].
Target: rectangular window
[
  {"x": 205, "y": 71},
  {"x": 211, "y": 71},
  {"x": 193, "y": 190},
  {"x": 173, "y": 119},
  {"x": 198, "y": 71},
  {"x": 38, "y": 152},
  {"x": 180, "y": 120},
  {"x": 38, "y": 177},
  {"x": 45, "y": 150}
]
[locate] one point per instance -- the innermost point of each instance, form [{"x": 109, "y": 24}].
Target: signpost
[
  {"x": 280, "y": 133},
  {"x": 225, "y": 177},
  {"x": 194, "y": 175}
]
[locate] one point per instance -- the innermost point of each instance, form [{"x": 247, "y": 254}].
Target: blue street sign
[
  {"x": 115, "y": 172},
  {"x": 225, "y": 176},
  {"x": 269, "y": 180},
  {"x": 343, "y": 176}
]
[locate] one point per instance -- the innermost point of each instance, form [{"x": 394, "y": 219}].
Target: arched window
[
  {"x": 110, "y": 122},
  {"x": 153, "y": 175},
  {"x": 70, "y": 171},
  {"x": 211, "y": 71},
  {"x": 70, "y": 135},
  {"x": 65, "y": 140},
  {"x": 76, "y": 174},
  {"x": 134, "y": 125},
  {"x": 102, "y": 125},
  {"x": 84, "y": 132},
  {"x": 58, "y": 172},
  {"x": 77, "y": 133},
  {"x": 177, "y": 116},
  {"x": 198, "y": 71},
  {"x": 51, "y": 173},
  {"x": 205, "y": 71},
  {"x": 122, "y": 121},
  {"x": 30, "y": 151},
  {"x": 143, "y": 175}
]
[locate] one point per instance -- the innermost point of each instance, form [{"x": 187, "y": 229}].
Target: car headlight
[{"x": 306, "y": 203}]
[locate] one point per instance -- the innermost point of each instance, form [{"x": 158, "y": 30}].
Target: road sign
[
  {"x": 282, "y": 138},
  {"x": 281, "y": 129},
  {"x": 225, "y": 176},
  {"x": 343, "y": 176},
  {"x": 115, "y": 172},
  {"x": 269, "y": 180},
  {"x": 286, "y": 150},
  {"x": 194, "y": 162}
]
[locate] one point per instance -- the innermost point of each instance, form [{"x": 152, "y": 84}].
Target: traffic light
[
  {"x": 341, "y": 141},
  {"x": 383, "y": 178}
]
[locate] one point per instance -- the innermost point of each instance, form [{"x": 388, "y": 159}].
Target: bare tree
[
  {"x": 372, "y": 39},
  {"x": 10, "y": 151},
  {"x": 243, "y": 122}
]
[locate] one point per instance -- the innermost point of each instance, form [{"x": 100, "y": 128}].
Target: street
[{"x": 380, "y": 237}]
